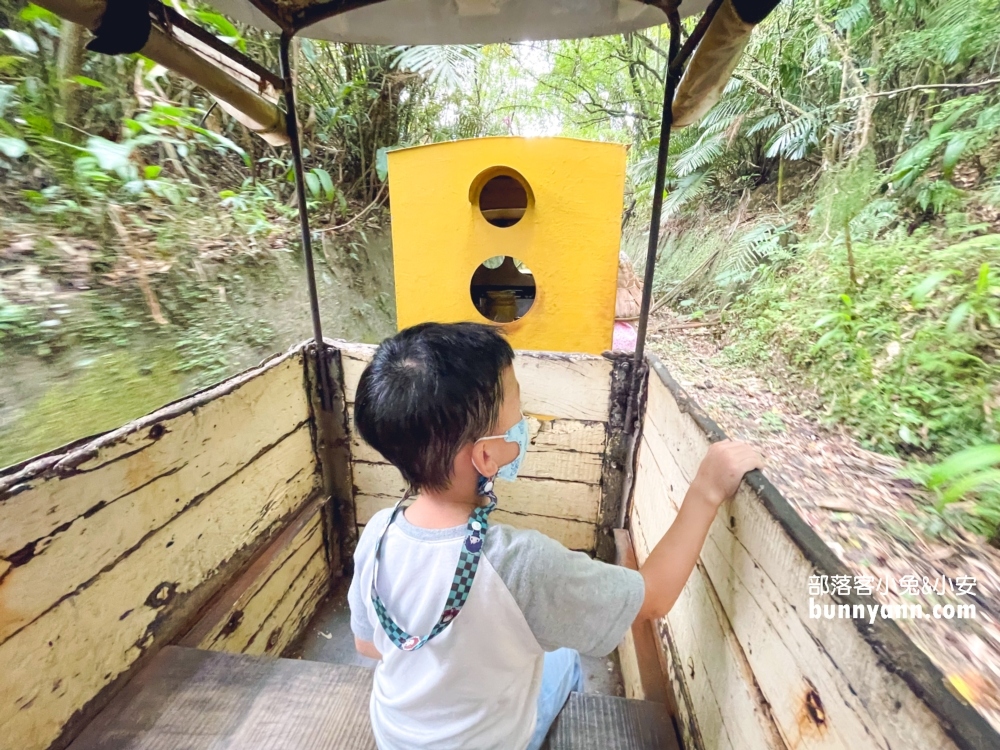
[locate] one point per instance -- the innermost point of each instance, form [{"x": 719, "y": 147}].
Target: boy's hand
[
  {"x": 722, "y": 470},
  {"x": 673, "y": 558}
]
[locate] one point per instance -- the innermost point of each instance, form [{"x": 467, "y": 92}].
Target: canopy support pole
[
  {"x": 638, "y": 361},
  {"x": 292, "y": 123},
  {"x": 663, "y": 152},
  {"x": 677, "y": 56}
]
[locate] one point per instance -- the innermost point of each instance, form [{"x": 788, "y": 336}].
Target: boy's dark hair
[{"x": 429, "y": 390}]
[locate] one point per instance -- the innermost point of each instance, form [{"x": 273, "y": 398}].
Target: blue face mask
[{"x": 517, "y": 434}]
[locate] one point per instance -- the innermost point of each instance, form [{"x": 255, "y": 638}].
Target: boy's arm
[
  {"x": 366, "y": 648},
  {"x": 669, "y": 565}
]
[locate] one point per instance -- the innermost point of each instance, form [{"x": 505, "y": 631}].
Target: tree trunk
[
  {"x": 781, "y": 178},
  {"x": 852, "y": 272},
  {"x": 69, "y": 64}
]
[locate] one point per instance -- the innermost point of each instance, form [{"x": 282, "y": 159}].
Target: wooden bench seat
[{"x": 189, "y": 699}]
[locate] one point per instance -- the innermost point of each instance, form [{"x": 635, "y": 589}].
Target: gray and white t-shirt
[{"x": 475, "y": 685}]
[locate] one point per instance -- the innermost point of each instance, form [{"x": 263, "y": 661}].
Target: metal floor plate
[
  {"x": 188, "y": 699},
  {"x": 601, "y": 722}
]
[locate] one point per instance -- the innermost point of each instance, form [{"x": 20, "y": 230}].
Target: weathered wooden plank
[
  {"x": 826, "y": 683},
  {"x": 566, "y": 449},
  {"x": 569, "y": 435},
  {"x": 781, "y": 667},
  {"x": 225, "y": 612},
  {"x": 576, "y": 535},
  {"x": 69, "y": 558},
  {"x": 58, "y": 663},
  {"x": 304, "y": 590},
  {"x": 541, "y": 497},
  {"x": 194, "y": 446},
  {"x": 541, "y": 461},
  {"x": 628, "y": 662},
  {"x": 199, "y": 700},
  {"x": 310, "y": 603},
  {"x": 685, "y": 442},
  {"x": 354, "y": 360},
  {"x": 240, "y": 619},
  {"x": 793, "y": 670},
  {"x": 718, "y": 704},
  {"x": 567, "y": 386},
  {"x": 641, "y": 664}
]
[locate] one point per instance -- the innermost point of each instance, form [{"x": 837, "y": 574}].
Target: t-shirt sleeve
[
  {"x": 568, "y": 599},
  {"x": 360, "y": 590}
]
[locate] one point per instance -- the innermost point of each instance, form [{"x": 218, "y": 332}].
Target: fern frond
[
  {"x": 794, "y": 139},
  {"x": 851, "y": 17},
  {"x": 704, "y": 151},
  {"x": 722, "y": 114},
  {"x": 734, "y": 85},
  {"x": 643, "y": 170},
  {"x": 760, "y": 244},
  {"x": 688, "y": 190},
  {"x": 767, "y": 122},
  {"x": 819, "y": 51},
  {"x": 439, "y": 64}
]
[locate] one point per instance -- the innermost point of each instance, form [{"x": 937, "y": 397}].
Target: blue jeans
[{"x": 561, "y": 675}]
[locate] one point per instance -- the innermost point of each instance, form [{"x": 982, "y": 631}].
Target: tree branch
[
  {"x": 648, "y": 43},
  {"x": 923, "y": 87},
  {"x": 845, "y": 53},
  {"x": 761, "y": 88}
]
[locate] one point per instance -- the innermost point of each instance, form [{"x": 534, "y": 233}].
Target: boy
[{"x": 479, "y": 626}]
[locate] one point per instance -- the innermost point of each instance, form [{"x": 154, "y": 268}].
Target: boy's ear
[{"x": 482, "y": 458}]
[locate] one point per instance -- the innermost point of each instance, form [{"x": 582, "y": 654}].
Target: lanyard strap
[{"x": 461, "y": 584}]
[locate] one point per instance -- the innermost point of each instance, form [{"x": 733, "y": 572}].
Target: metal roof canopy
[{"x": 453, "y": 21}]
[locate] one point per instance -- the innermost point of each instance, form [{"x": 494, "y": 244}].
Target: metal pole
[
  {"x": 291, "y": 121},
  {"x": 667, "y": 117},
  {"x": 670, "y": 85}
]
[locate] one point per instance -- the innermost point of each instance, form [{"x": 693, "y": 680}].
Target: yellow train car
[
  {"x": 152, "y": 577},
  {"x": 501, "y": 240}
]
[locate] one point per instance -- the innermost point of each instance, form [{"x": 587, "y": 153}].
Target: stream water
[{"x": 49, "y": 401}]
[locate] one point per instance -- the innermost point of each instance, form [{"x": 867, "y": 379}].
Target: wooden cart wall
[
  {"x": 749, "y": 669},
  {"x": 111, "y": 548},
  {"x": 559, "y": 490}
]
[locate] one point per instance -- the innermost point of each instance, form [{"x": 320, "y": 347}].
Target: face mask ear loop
[{"x": 484, "y": 480}]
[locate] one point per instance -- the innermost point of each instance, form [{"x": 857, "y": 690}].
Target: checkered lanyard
[{"x": 461, "y": 584}]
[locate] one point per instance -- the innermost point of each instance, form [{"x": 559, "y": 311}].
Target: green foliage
[
  {"x": 907, "y": 361},
  {"x": 442, "y": 65},
  {"x": 104, "y": 393},
  {"x": 751, "y": 253},
  {"x": 972, "y": 477},
  {"x": 960, "y": 127},
  {"x": 843, "y": 192}
]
